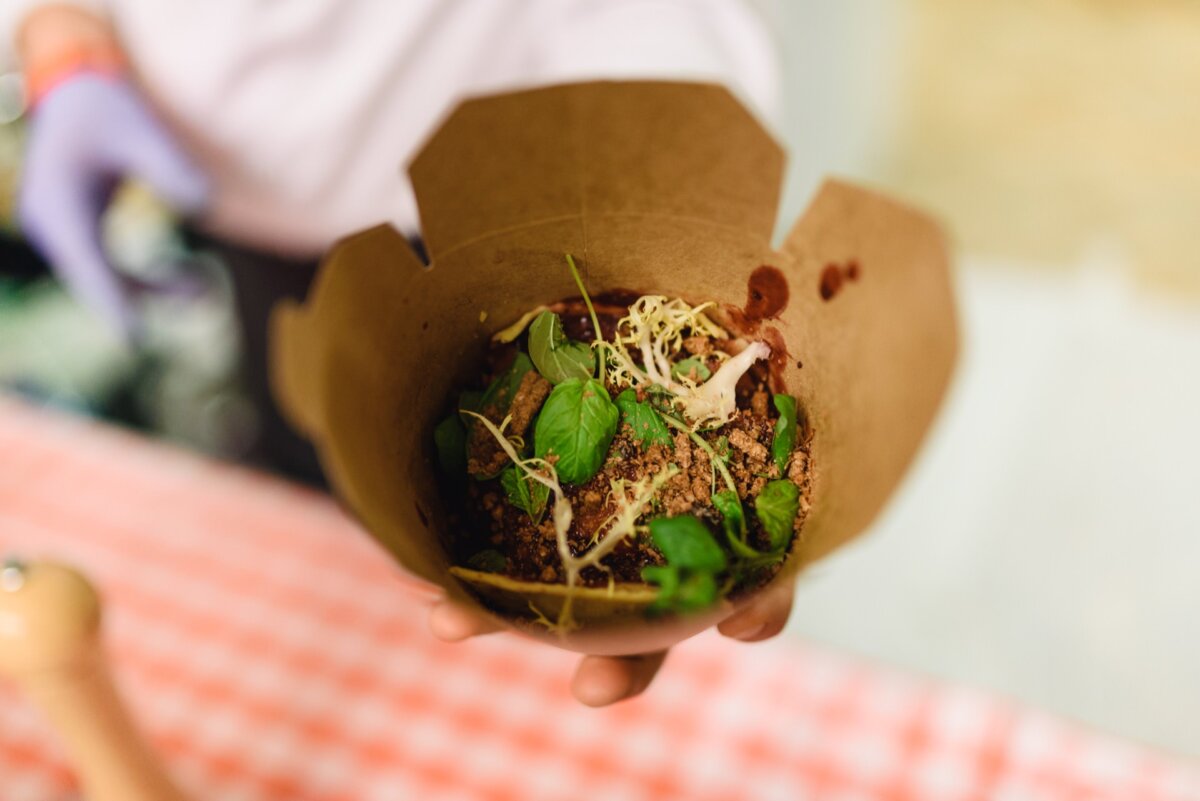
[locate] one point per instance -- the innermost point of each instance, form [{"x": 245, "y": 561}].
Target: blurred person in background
[{"x": 277, "y": 128}]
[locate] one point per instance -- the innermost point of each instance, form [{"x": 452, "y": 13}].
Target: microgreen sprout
[
  {"x": 599, "y": 343},
  {"x": 655, "y": 328}
]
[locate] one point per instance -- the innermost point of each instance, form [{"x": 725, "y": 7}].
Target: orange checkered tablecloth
[{"x": 271, "y": 651}]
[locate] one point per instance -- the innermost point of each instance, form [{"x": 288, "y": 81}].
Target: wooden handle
[{"x": 50, "y": 646}]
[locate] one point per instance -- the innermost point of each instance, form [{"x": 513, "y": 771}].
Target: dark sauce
[
  {"x": 778, "y": 360},
  {"x": 766, "y": 295},
  {"x": 831, "y": 281},
  {"x": 610, "y": 307},
  {"x": 835, "y": 276}
]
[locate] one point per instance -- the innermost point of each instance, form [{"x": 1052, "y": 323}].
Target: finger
[
  {"x": 62, "y": 222},
  {"x": 604, "y": 680},
  {"x": 454, "y": 622},
  {"x": 156, "y": 159},
  {"x": 762, "y": 618}
]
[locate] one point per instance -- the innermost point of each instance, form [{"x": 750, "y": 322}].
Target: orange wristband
[{"x": 90, "y": 58}]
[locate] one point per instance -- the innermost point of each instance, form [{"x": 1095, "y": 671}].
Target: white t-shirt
[{"x": 305, "y": 113}]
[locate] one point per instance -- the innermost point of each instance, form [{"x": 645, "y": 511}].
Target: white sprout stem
[{"x": 562, "y": 512}]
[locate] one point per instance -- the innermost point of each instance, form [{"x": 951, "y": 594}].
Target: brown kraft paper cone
[{"x": 666, "y": 188}]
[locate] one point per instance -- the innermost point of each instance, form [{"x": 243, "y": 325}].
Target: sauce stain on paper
[
  {"x": 766, "y": 298},
  {"x": 835, "y": 276},
  {"x": 778, "y": 360},
  {"x": 767, "y": 294}
]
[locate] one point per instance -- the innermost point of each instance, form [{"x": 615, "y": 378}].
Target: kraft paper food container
[{"x": 667, "y": 188}]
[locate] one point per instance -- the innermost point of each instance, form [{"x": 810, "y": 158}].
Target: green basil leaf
[
  {"x": 577, "y": 424},
  {"x": 666, "y": 578},
  {"x": 469, "y": 400},
  {"x": 680, "y": 591},
  {"x": 648, "y": 426},
  {"x": 524, "y": 493},
  {"x": 500, "y": 393},
  {"x": 776, "y": 507},
  {"x": 785, "y": 431},
  {"x": 556, "y": 357},
  {"x": 494, "y": 404},
  {"x": 450, "y": 437},
  {"x": 488, "y": 561},
  {"x": 697, "y": 591},
  {"x": 692, "y": 367},
  {"x": 687, "y": 543},
  {"x": 733, "y": 519},
  {"x": 660, "y": 399}
]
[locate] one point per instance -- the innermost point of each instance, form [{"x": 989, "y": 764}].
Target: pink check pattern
[{"x": 273, "y": 653}]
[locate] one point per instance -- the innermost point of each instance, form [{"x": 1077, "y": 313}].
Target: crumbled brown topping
[
  {"x": 485, "y": 456},
  {"x": 487, "y": 520}
]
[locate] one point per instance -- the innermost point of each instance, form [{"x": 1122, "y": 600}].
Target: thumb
[
  {"x": 156, "y": 159},
  {"x": 60, "y": 219},
  {"x": 78, "y": 261}
]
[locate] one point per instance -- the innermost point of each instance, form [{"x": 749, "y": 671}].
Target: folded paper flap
[
  {"x": 586, "y": 150},
  {"x": 873, "y": 324},
  {"x": 336, "y": 362},
  {"x": 293, "y": 353}
]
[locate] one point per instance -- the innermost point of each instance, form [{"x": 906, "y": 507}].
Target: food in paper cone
[
  {"x": 669, "y": 190},
  {"x": 635, "y": 444}
]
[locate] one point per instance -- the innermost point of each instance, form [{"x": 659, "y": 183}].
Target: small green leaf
[
  {"x": 734, "y": 523},
  {"x": 556, "y": 357},
  {"x": 697, "y": 591},
  {"x": 687, "y": 543},
  {"x": 450, "y": 437},
  {"x": 500, "y": 393},
  {"x": 494, "y": 404},
  {"x": 680, "y": 593},
  {"x": 776, "y": 507},
  {"x": 692, "y": 367},
  {"x": 576, "y": 424},
  {"x": 648, "y": 426},
  {"x": 667, "y": 579},
  {"x": 524, "y": 493},
  {"x": 660, "y": 398},
  {"x": 488, "y": 561},
  {"x": 730, "y": 507},
  {"x": 469, "y": 400},
  {"x": 785, "y": 431}
]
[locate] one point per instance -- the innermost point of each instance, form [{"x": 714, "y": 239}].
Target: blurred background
[{"x": 1045, "y": 545}]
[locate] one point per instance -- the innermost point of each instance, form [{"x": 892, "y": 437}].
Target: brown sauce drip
[
  {"x": 778, "y": 360},
  {"x": 834, "y": 277},
  {"x": 831, "y": 282},
  {"x": 766, "y": 295}
]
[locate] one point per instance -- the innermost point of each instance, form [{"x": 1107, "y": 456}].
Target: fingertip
[
  {"x": 604, "y": 680},
  {"x": 761, "y": 619},
  {"x": 601, "y": 681},
  {"x": 170, "y": 173},
  {"x": 742, "y": 626},
  {"x": 452, "y": 622}
]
